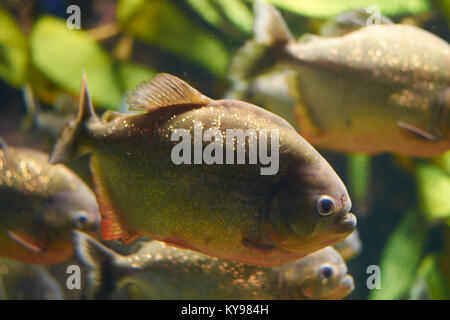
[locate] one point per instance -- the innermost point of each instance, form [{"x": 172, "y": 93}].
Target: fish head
[
  {"x": 74, "y": 208},
  {"x": 310, "y": 209},
  {"x": 320, "y": 275}
]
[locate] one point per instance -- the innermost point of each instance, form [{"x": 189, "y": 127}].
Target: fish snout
[
  {"x": 344, "y": 288},
  {"x": 345, "y": 223}
]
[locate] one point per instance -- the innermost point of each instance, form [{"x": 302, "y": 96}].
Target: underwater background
[{"x": 402, "y": 203}]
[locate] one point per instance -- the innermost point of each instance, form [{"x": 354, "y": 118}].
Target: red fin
[
  {"x": 113, "y": 227},
  {"x": 177, "y": 243},
  {"x": 26, "y": 241},
  {"x": 419, "y": 132},
  {"x": 257, "y": 245}
]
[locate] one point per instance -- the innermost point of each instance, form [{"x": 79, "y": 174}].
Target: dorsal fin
[
  {"x": 86, "y": 110},
  {"x": 269, "y": 26},
  {"x": 165, "y": 90}
]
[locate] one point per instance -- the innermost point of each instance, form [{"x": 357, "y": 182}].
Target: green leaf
[
  {"x": 429, "y": 271},
  {"x": 219, "y": 12},
  {"x": 163, "y": 24},
  {"x": 444, "y": 7},
  {"x": 208, "y": 11},
  {"x": 132, "y": 74},
  {"x": 237, "y": 12},
  {"x": 359, "y": 176},
  {"x": 330, "y": 8},
  {"x": 63, "y": 54},
  {"x": 433, "y": 185},
  {"x": 401, "y": 257},
  {"x": 13, "y": 51},
  {"x": 443, "y": 161}
]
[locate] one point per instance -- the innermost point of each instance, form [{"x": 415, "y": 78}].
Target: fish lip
[
  {"x": 343, "y": 289},
  {"x": 346, "y": 224}
]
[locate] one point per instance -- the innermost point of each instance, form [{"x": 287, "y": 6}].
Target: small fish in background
[
  {"x": 47, "y": 123},
  {"x": 23, "y": 281},
  {"x": 40, "y": 204},
  {"x": 59, "y": 271},
  {"x": 159, "y": 271},
  {"x": 350, "y": 247},
  {"x": 272, "y": 90},
  {"x": 379, "y": 88},
  {"x": 41, "y": 127},
  {"x": 226, "y": 210}
]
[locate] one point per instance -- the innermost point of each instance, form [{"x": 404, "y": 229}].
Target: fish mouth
[
  {"x": 343, "y": 289},
  {"x": 346, "y": 224}
]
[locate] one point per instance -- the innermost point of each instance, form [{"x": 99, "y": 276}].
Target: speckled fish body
[
  {"x": 224, "y": 210},
  {"x": 159, "y": 271},
  {"x": 380, "y": 88},
  {"x": 24, "y": 281},
  {"x": 39, "y": 206}
]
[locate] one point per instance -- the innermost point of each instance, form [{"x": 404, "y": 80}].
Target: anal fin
[
  {"x": 418, "y": 131},
  {"x": 257, "y": 245},
  {"x": 113, "y": 227}
]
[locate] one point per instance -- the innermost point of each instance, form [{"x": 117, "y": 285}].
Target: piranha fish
[
  {"x": 380, "y": 88},
  {"x": 24, "y": 281},
  {"x": 159, "y": 271},
  {"x": 350, "y": 247},
  {"x": 40, "y": 204},
  {"x": 47, "y": 123},
  {"x": 231, "y": 211}
]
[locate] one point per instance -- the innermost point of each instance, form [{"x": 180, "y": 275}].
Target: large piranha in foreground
[{"x": 149, "y": 183}]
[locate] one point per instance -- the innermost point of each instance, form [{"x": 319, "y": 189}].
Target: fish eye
[
  {"x": 326, "y": 272},
  {"x": 325, "y": 206},
  {"x": 82, "y": 218}
]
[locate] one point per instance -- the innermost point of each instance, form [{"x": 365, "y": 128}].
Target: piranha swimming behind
[
  {"x": 158, "y": 271},
  {"x": 224, "y": 209},
  {"x": 40, "y": 205},
  {"x": 379, "y": 88}
]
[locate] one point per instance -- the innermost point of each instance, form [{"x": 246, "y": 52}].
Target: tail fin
[
  {"x": 66, "y": 147},
  {"x": 271, "y": 34},
  {"x": 100, "y": 261}
]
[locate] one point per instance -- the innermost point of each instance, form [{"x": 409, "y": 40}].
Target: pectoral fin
[
  {"x": 418, "y": 131},
  {"x": 257, "y": 245},
  {"x": 26, "y": 241}
]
